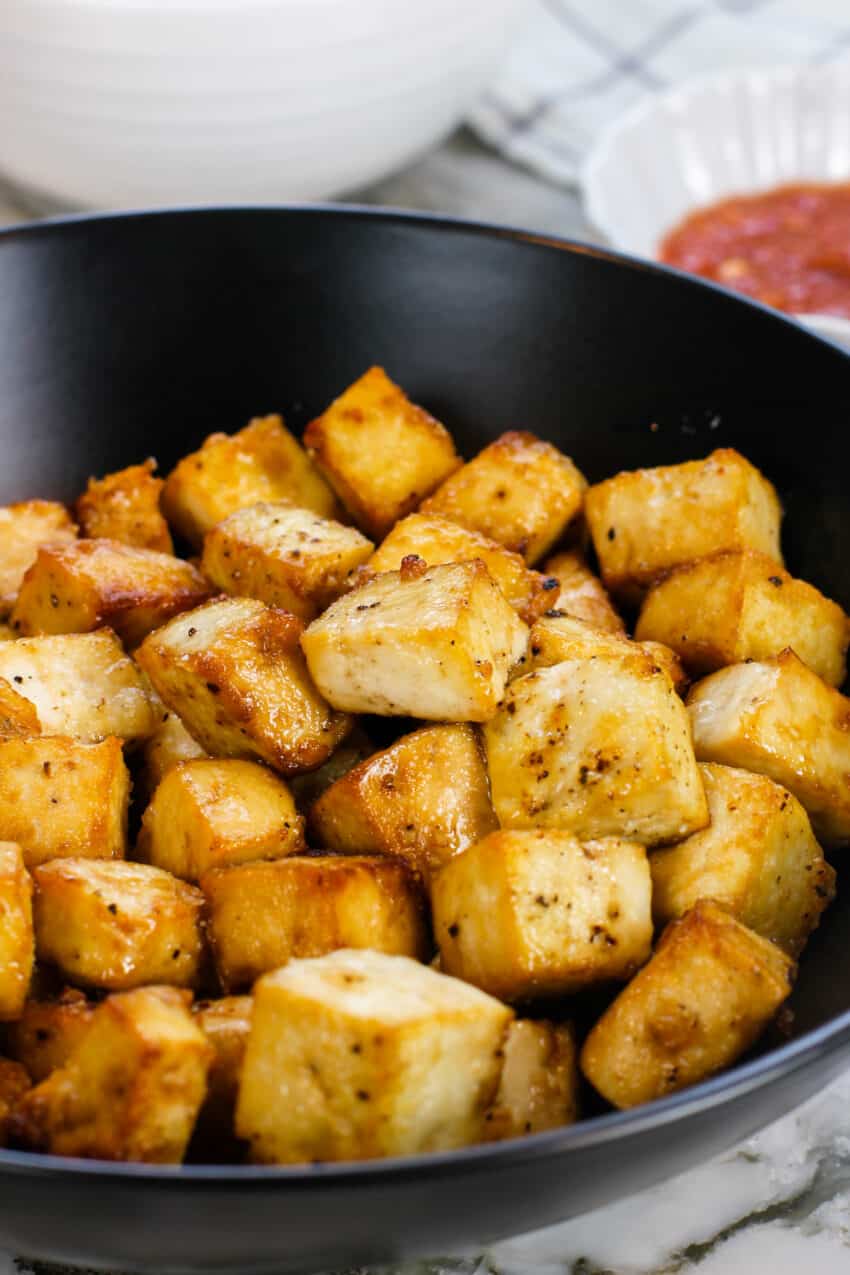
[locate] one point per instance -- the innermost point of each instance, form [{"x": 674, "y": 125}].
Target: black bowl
[{"x": 122, "y": 337}]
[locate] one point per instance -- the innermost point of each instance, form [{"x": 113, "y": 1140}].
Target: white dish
[{"x": 117, "y": 103}]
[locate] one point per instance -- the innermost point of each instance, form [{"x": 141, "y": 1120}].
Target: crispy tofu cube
[
  {"x": 359, "y": 1054},
  {"x": 778, "y": 718},
  {"x": 81, "y": 685},
  {"x": 537, "y": 913},
  {"x": 234, "y": 673},
  {"x": 307, "y": 789},
  {"x": 423, "y": 799},
  {"x": 287, "y": 557},
  {"x": 48, "y": 1032},
  {"x": 225, "y": 1023},
  {"x": 702, "y": 1001},
  {"x": 262, "y": 915},
  {"x": 438, "y": 541},
  {"x": 436, "y": 645},
  {"x": 381, "y": 453},
  {"x": 17, "y": 714},
  {"x": 211, "y": 812},
  {"x": 759, "y": 858},
  {"x": 118, "y": 926},
  {"x": 169, "y": 744},
  {"x": 600, "y": 747},
  {"x": 24, "y": 528},
  {"x": 14, "y": 1083},
  {"x": 132, "y": 1088},
  {"x": 17, "y": 944},
  {"x": 558, "y": 636},
  {"x": 60, "y": 798},
  {"x": 82, "y": 586},
  {"x": 582, "y": 594},
  {"x": 519, "y": 491},
  {"x": 263, "y": 461},
  {"x": 732, "y": 607},
  {"x": 538, "y": 1088},
  {"x": 125, "y": 506},
  {"x": 645, "y": 521}
]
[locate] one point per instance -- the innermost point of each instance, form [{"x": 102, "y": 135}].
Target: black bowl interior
[{"x": 137, "y": 335}]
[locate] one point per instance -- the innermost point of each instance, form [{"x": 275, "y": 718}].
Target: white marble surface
[{"x": 782, "y": 1200}]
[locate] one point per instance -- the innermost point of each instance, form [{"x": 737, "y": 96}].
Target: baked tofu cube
[
  {"x": 234, "y": 673},
  {"x": 48, "y": 1032},
  {"x": 538, "y": 1088},
  {"x": 702, "y": 1001},
  {"x": 125, "y": 506},
  {"x": 17, "y": 945},
  {"x": 210, "y": 813},
  {"x": 381, "y": 453},
  {"x": 558, "y": 637},
  {"x": 225, "y": 1023},
  {"x": 14, "y": 1083},
  {"x": 582, "y": 594},
  {"x": 117, "y": 926},
  {"x": 263, "y": 461},
  {"x": 645, "y": 521},
  {"x": 60, "y": 798},
  {"x": 24, "y": 528},
  {"x": 519, "y": 491},
  {"x": 262, "y": 915},
  {"x": 80, "y": 684},
  {"x": 132, "y": 1088},
  {"x": 423, "y": 799},
  {"x": 82, "y": 586},
  {"x": 287, "y": 557},
  {"x": 778, "y": 718},
  {"x": 17, "y": 714},
  {"x": 759, "y": 858},
  {"x": 169, "y": 745},
  {"x": 358, "y": 1055},
  {"x": 436, "y": 645},
  {"x": 732, "y": 607},
  {"x": 536, "y": 913},
  {"x": 600, "y": 747}
]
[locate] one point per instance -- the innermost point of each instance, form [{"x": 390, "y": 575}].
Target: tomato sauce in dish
[{"x": 788, "y": 247}]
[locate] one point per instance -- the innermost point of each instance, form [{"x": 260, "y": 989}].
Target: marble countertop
[{"x": 777, "y": 1202}]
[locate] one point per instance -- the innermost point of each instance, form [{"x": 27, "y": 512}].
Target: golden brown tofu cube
[
  {"x": 24, "y": 528},
  {"x": 262, "y": 915},
  {"x": 82, "y": 586},
  {"x": 436, "y": 645},
  {"x": 437, "y": 541},
  {"x": 118, "y": 926},
  {"x": 17, "y": 945},
  {"x": 132, "y": 1088},
  {"x": 14, "y": 1083},
  {"x": 538, "y": 1088},
  {"x": 600, "y": 747},
  {"x": 211, "y": 812},
  {"x": 778, "y": 718},
  {"x": 582, "y": 594},
  {"x": 537, "y": 913},
  {"x": 169, "y": 744},
  {"x": 263, "y": 461},
  {"x": 81, "y": 685},
  {"x": 60, "y": 798},
  {"x": 48, "y": 1032},
  {"x": 732, "y": 607},
  {"x": 645, "y": 521},
  {"x": 381, "y": 453},
  {"x": 125, "y": 506},
  {"x": 307, "y": 789},
  {"x": 234, "y": 673},
  {"x": 343, "y": 1050},
  {"x": 423, "y": 799},
  {"x": 225, "y": 1023},
  {"x": 287, "y": 557},
  {"x": 558, "y": 636},
  {"x": 519, "y": 491},
  {"x": 758, "y": 858},
  {"x": 705, "y": 997},
  {"x": 17, "y": 714}
]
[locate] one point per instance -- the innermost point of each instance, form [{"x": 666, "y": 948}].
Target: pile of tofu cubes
[{"x": 571, "y": 859}]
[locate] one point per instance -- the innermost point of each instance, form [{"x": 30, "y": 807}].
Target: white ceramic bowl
[{"x": 117, "y": 103}]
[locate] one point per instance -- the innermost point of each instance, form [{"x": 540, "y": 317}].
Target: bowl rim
[{"x": 733, "y": 1083}]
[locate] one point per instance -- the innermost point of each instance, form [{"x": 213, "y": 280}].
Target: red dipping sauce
[{"x": 788, "y": 247}]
